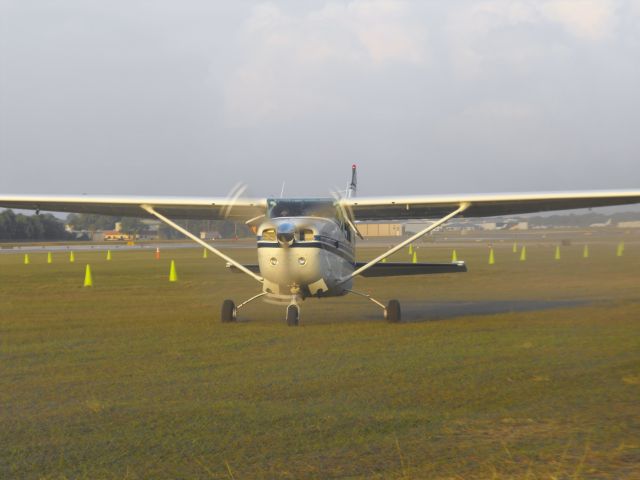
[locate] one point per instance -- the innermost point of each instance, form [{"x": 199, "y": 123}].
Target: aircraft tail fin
[{"x": 353, "y": 186}]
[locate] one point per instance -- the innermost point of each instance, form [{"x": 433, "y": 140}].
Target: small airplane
[{"x": 306, "y": 246}]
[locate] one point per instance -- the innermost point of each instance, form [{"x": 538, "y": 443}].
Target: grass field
[{"x": 515, "y": 370}]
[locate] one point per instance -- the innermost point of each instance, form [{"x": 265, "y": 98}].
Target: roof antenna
[
  {"x": 353, "y": 186},
  {"x": 282, "y": 191}
]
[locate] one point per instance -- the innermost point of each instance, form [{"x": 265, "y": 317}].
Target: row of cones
[
  {"x": 72, "y": 257},
  {"x": 523, "y": 253},
  {"x": 88, "y": 277}
]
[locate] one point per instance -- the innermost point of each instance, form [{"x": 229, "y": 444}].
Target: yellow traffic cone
[
  {"x": 72, "y": 257},
  {"x": 415, "y": 257},
  {"x": 620, "y": 249},
  {"x": 585, "y": 251},
  {"x": 557, "y": 255},
  {"x": 26, "y": 259},
  {"x": 523, "y": 254},
  {"x": 454, "y": 256},
  {"x": 492, "y": 258},
  {"x": 173, "y": 275},
  {"x": 108, "y": 255},
  {"x": 384, "y": 260},
  {"x": 49, "y": 257},
  {"x": 204, "y": 253},
  {"x": 88, "y": 280}
]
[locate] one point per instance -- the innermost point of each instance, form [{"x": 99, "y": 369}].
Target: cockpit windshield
[{"x": 301, "y": 208}]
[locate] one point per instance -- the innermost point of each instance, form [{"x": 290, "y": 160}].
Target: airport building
[
  {"x": 380, "y": 229},
  {"x": 628, "y": 224}
]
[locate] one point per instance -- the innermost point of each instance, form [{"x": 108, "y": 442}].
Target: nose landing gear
[{"x": 293, "y": 315}]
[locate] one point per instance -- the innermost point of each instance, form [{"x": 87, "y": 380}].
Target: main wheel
[
  {"x": 392, "y": 313},
  {"x": 228, "y": 313},
  {"x": 293, "y": 315}
]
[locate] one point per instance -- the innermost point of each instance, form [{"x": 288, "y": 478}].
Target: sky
[{"x": 191, "y": 97}]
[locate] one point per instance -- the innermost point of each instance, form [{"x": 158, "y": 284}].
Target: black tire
[
  {"x": 293, "y": 315},
  {"x": 228, "y": 313},
  {"x": 392, "y": 313}
]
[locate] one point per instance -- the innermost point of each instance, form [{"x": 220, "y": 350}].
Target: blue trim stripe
[{"x": 342, "y": 253}]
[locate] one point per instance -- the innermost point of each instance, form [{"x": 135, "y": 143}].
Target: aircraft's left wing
[
  {"x": 209, "y": 208},
  {"x": 482, "y": 205}
]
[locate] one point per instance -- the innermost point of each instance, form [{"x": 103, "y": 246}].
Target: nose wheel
[{"x": 293, "y": 315}]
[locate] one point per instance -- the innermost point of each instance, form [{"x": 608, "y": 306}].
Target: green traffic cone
[
  {"x": 88, "y": 279},
  {"x": 173, "y": 275}
]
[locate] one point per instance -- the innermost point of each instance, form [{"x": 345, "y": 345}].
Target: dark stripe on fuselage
[{"x": 330, "y": 247}]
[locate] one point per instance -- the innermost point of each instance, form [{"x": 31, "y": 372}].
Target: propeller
[
  {"x": 232, "y": 198},
  {"x": 346, "y": 211}
]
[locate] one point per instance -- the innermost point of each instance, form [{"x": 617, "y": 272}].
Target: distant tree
[
  {"x": 131, "y": 225},
  {"x": 91, "y": 222},
  {"x": 35, "y": 227}
]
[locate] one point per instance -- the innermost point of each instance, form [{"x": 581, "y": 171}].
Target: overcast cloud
[{"x": 189, "y": 97}]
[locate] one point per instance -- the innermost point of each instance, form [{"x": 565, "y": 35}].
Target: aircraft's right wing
[
  {"x": 481, "y": 205},
  {"x": 209, "y": 208}
]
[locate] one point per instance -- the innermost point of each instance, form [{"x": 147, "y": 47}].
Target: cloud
[
  {"x": 522, "y": 33},
  {"x": 286, "y": 56},
  {"x": 295, "y": 61},
  {"x": 586, "y": 19}
]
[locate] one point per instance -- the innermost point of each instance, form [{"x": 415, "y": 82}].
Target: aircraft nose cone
[{"x": 285, "y": 234}]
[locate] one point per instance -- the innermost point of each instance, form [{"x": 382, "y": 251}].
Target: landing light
[
  {"x": 302, "y": 261},
  {"x": 273, "y": 261}
]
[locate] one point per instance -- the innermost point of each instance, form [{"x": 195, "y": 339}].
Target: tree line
[{"x": 17, "y": 226}]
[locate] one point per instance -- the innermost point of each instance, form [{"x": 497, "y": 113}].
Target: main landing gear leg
[
  {"x": 391, "y": 311},
  {"x": 229, "y": 311}
]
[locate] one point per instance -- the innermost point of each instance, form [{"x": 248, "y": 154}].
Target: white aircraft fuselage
[{"x": 305, "y": 250}]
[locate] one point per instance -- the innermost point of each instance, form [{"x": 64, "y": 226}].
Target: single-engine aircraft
[{"x": 306, "y": 246}]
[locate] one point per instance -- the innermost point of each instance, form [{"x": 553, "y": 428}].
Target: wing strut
[
  {"x": 217, "y": 252},
  {"x": 434, "y": 225}
]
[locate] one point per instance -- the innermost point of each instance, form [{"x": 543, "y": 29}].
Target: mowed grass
[{"x": 136, "y": 377}]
